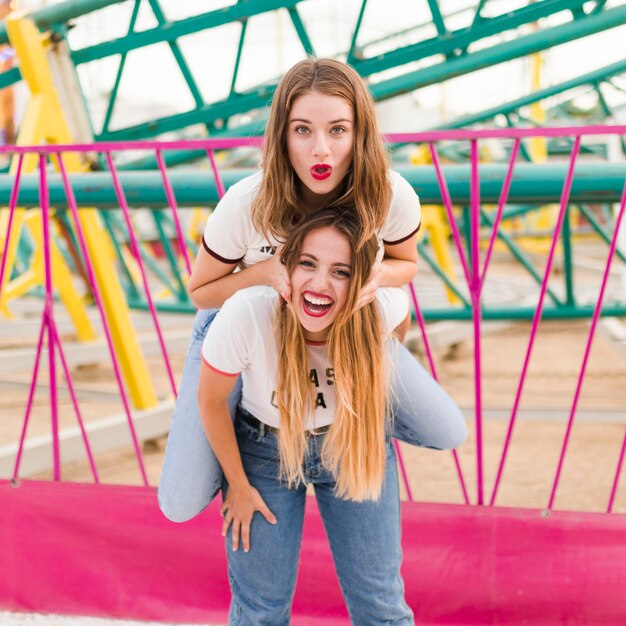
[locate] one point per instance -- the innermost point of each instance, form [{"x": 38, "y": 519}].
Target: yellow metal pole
[{"x": 48, "y": 123}]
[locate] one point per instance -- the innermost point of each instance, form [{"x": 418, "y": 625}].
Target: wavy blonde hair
[
  {"x": 277, "y": 205},
  {"x": 354, "y": 448}
]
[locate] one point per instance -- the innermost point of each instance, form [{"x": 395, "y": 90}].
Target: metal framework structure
[{"x": 486, "y": 40}]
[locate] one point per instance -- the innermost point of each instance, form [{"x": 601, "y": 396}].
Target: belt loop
[{"x": 261, "y": 429}]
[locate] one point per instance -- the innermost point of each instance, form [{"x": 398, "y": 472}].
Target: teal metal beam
[
  {"x": 591, "y": 78},
  {"x": 60, "y": 13},
  {"x": 435, "y": 11},
  {"x": 491, "y": 313},
  {"x": 532, "y": 184},
  {"x": 120, "y": 71},
  {"x": 242, "y": 38},
  {"x": 460, "y": 40},
  {"x": 350, "y": 56},
  {"x": 178, "y": 55},
  {"x": 180, "y": 28},
  {"x": 303, "y": 36},
  {"x": 221, "y": 110},
  {"x": 499, "y": 53}
]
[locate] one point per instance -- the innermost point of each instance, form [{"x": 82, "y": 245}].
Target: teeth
[{"x": 319, "y": 301}]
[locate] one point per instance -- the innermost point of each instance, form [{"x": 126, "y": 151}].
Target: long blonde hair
[
  {"x": 354, "y": 449},
  {"x": 277, "y": 205}
]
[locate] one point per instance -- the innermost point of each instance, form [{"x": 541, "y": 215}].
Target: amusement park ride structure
[{"x": 113, "y": 193}]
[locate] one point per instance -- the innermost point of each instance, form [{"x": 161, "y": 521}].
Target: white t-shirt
[
  {"x": 241, "y": 340},
  {"x": 230, "y": 236}
]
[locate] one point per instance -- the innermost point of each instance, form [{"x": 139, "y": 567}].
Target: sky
[{"x": 152, "y": 81}]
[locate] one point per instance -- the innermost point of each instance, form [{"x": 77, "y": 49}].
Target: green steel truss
[{"x": 487, "y": 40}]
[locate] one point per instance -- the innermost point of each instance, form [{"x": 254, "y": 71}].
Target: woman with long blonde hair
[
  {"x": 322, "y": 149},
  {"x": 312, "y": 411}
]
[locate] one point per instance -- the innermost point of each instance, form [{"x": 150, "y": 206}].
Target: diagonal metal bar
[
  {"x": 178, "y": 55},
  {"x": 303, "y": 36},
  {"x": 54, "y": 335},
  {"x": 15, "y": 190},
  {"x": 242, "y": 37},
  {"x": 537, "y": 317},
  {"x": 447, "y": 202},
  {"x": 583, "y": 369},
  {"x": 435, "y": 11},
  {"x": 171, "y": 198},
  {"x": 433, "y": 370},
  {"x": 180, "y": 28},
  {"x": 506, "y": 186},
  {"x": 31, "y": 395},
  {"x": 95, "y": 290},
  {"x": 120, "y": 71},
  {"x": 121, "y": 196},
  {"x": 350, "y": 56},
  {"x": 461, "y": 39}
]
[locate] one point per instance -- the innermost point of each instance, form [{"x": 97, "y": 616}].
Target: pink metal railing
[{"x": 474, "y": 276}]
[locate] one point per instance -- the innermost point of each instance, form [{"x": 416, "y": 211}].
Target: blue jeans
[
  {"x": 423, "y": 415},
  {"x": 364, "y": 540}
]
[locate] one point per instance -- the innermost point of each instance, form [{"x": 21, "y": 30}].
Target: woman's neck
[{"x": 312, "y": 201}]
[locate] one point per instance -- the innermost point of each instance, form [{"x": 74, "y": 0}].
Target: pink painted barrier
[{"x": 107, "y": 551}]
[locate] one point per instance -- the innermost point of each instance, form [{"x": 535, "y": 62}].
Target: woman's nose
[
  {"x": 320, "y": 281},
  {"x": 320, "y": 149}
]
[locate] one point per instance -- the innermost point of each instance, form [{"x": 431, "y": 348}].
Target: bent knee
[{"x": 180, "y": 509}]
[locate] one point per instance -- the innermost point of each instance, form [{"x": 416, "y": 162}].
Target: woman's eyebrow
[
  {"x": 342, "y": 265},
  {"x": 303, "y": 120}
]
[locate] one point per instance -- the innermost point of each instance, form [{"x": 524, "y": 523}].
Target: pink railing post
[
  {"x": 44, "y": 201},
  {"x": 219, "y": 185},
  {"x": 474, "y": 287},
  {"x": 171, "y": 198}
]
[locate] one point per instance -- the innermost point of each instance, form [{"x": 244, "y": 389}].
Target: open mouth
[
  {"x": 321, "y": 171},
  {"x": 315, "y": 304}
]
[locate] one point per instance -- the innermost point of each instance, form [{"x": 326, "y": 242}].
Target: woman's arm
[
  {"x": 242, "y": 500},
  {"x": 397, "y": 268},
  {"x": 212, "y": 281}
]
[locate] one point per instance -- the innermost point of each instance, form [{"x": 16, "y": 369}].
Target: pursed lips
[{"x": 321, "y": 171}]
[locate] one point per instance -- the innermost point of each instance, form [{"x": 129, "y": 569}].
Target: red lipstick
[
  {"x": 316, "y": 305},
  {"x": 321, "y": 171}
]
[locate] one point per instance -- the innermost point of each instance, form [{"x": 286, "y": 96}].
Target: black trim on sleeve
[
  {"x": 215, "y": 255},
  {"x": 395, "y": 243}
]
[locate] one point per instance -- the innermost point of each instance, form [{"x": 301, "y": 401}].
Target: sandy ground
[{"x": 537, "y": 437}]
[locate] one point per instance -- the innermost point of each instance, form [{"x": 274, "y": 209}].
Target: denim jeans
[
  {"x": 364, "y": 540},
  {"x": 423, "y": 415}
]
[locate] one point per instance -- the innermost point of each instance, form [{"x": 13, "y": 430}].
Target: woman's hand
[
  {"x": 276, "y": 276},
  {"x": 238, "y": 509},
  {"x": 368, "y": 291}
]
